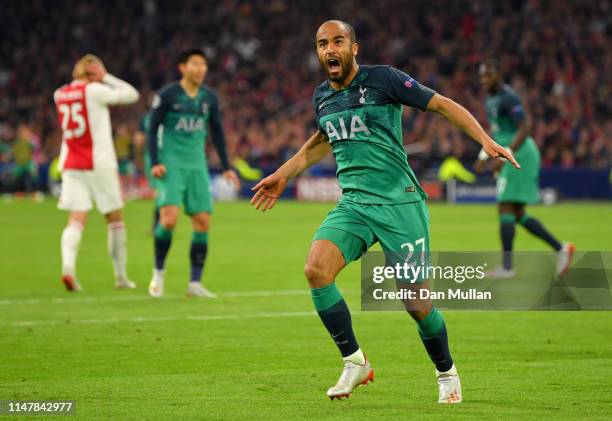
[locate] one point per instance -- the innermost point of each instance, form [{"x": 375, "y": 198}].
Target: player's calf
[
  {"x": 325, "y": 260},
  {"x": 117, "y": 248},
  {"x": 506, "y": 232},
  {"x": 432, "y": 331},
  {"x": 197, "y": 257},
  {"x": 536, "y": 228},
  {"x": 71, "y": 240},
  {"x": 197, "y": 254},
  {"x": 162, "y": 241},
  {"x": 336, "y": 318}
]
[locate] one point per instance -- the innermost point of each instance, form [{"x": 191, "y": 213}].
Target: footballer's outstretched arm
[
  {"x": 461, "y": 118},
  {"x": 314, "y": 150},
  {"x": 268, "y": 190}
]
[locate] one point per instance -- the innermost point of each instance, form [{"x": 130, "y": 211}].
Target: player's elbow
[
  {"x": 125, "y": 96},
  {"x": 440, "y": 104},
  {"x": 132, "y": 96}
]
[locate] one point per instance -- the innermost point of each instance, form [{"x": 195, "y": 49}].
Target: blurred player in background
[
  {"x": 88, "y": 163},
  {"x": 25, "y": 171},
  {"x": 358, "y": 113},
  {"x": 125, "y": 161},
  {"x": 182, "y": 112},
  {"x": 510, "y": 127}
]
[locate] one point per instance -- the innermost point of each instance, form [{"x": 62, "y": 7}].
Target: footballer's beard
[{"x": 346, "y": 64}]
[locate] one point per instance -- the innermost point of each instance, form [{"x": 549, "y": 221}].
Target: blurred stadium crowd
[{"x": 262, "y": 62}]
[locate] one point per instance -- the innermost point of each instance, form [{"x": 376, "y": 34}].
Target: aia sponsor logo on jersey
[
  {"x": 342, "y": 130},
  {"x": 190, "y": 125}
]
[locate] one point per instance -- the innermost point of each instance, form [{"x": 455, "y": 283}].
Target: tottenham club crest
[
  {"x": 204, "y": 108},
  {"x": 362, "y": 90}
]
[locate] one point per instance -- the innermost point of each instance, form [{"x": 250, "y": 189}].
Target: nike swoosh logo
[
  {"x": 322, "y": 104},
  {"x": 335, "y": 336}
]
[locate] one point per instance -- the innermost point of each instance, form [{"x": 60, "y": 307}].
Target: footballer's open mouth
[{"x": 333, "y": 64}]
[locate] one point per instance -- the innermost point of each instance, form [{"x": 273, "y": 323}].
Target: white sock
[
  {"x": 117, "y": 247},
  {"x": 356, "y": 357},
  {"x": 451, "y": 371},
  {"x": 71, "y": 240},
  {"x": 158, "y": 276}
]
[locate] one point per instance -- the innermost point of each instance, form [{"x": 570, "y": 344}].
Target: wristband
[{"x": 482, "y": 155}]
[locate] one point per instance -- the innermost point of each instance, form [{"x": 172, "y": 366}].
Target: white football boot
[
  {"x": 156, "y": 286},
  {"x": 124, "y": 284},
  {"x": 195, "y": 289},
  {"x": 449, "y": 386},
  {"x": 352, "y": 376},
  {"x": 564, "y": 258}
]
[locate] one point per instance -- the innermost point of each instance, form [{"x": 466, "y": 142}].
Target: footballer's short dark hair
[
  {"x": 347, "y": 27},
  {"x": 351, "y": 31},
  {"x": 186, "y": 54}
]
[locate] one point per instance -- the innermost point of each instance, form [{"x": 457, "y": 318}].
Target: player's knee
[
  {"x": 201, "y": 224},
  {"x": 200, "y": 227},
  {"x": 168, "y": 223},
  {"x": 79, "y": 218},
  {"x": 316, "y": 275},
  {"x": 114, "y": 216},
  {"x": 418, "y": 314}
]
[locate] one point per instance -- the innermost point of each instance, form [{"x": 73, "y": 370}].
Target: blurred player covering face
[
  {"x": 193, "y": 68},
  {"x": 336, "y": 49},
  {"x": 89, "y": 163}
]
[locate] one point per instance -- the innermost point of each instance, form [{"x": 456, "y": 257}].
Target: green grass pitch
[{"x": 259, "y": 352}]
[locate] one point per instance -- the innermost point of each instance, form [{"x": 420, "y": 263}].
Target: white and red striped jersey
[{"x": 82, "y": 109}]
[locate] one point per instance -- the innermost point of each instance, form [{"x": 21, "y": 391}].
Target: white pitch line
[
  {"x": 211, "y": 317},
  {"x": 17, "y": 301},
  {"x": 266, "y": 293},
  {"x": 144, "y": 297}
]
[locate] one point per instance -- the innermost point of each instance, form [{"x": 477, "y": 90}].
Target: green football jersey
[
  {"x": 363, "y": 123},
  {"x": 505, "y": 113},
  {"x": 143, "y": 126},
  {"x": 179, "y": 126}
]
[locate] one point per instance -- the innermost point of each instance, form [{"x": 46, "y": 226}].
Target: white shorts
[{"x": 80, "y": 188}]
